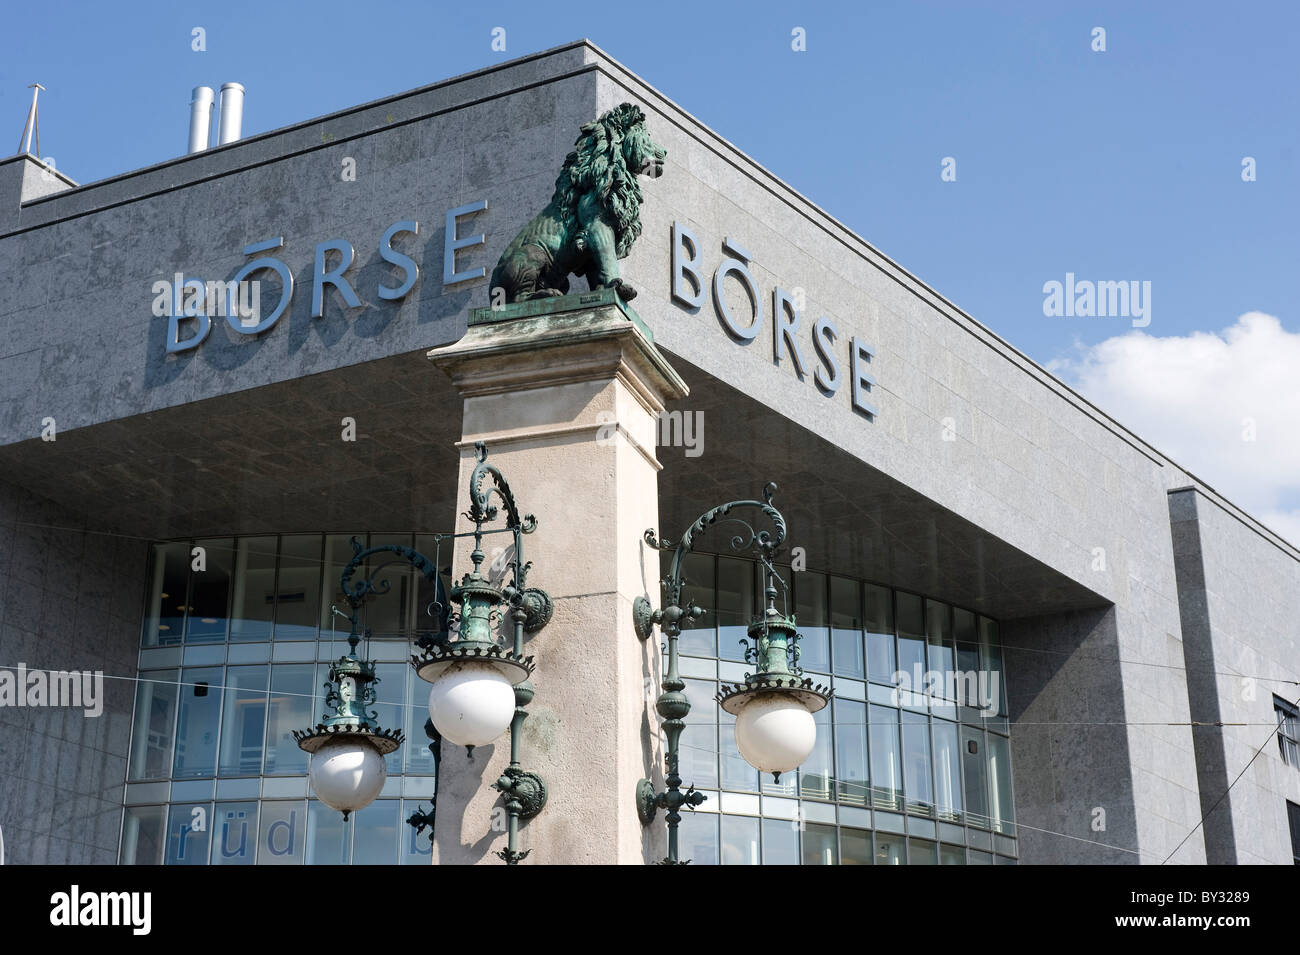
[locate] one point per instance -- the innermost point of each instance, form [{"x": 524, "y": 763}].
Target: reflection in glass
[
  {"x": 736, "y": 606},
  {"x": 327, "y": 835},
  {"x": 938, "y": 630},
  {"x": 737, "y": 774},
  {"x": 391, "y": 614},
  {"x": 244, "y": 721},
  {"x": 889, "y": 849},
  {"x": 952, "y": 855},
  {"x": 916, "y": 762},
  {"x": 188, "y": 829},
  {"x": 780, "y": 842},
  {"x": 697, "y": 838},
  {"x": 739, "y": 840},
  {"x": 419, "y": 758},
  {"x": 881, "y": 662},
  {"x": 698, "y": 638},
  {"x": 921, "y": 852},
  {"x": 210, "y": 592},
  {"x": 813, "y": 618},
  {"x": 846, "y": 627},
  {"x": 855, "y": 847},
  {"x": 234, "y": 833},
  {"x": 142, "y": 835},
  {"x": 290, "y": 709},
  {"x": 374, "y": 841},
  {"x": 254, "y": 600},
  {"x": 947, "y": 771},
  {"x": 850, "y": 751},
  {"x": 390, "y": 689},
  {"x": 1001, "y": 810},
  {"x": 698, "y": 748},
  {"x": 155, "y": 724},
  {"x": 416, "y": 847},
  {"x": 816, "y": 773},
  {"x": 196, "y": 726},
  {"x": 165, "y": 619},
  {"x": 975, "y": 775},
  {"x": 298, "y": 588},
  {"x": 281, "y": 837},
  {"x": 819, "y": 846},
  {"x": 886, "y": 771},
  {"x": 338, "y": 551},
  {"x": 911, "y": 638}
]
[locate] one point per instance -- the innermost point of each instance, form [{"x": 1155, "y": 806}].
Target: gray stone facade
[{"x": 981, "y": 479}]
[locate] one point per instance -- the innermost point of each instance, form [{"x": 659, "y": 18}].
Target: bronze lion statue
[{"x": 593, "y": 218}]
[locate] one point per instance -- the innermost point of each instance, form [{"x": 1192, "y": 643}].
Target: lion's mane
[{"x": 597, "y": 166}]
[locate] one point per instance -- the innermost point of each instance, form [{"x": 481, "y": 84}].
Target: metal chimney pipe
[
  {"x": 200, "y": 118},
  {"x": 232, "y": 113}
]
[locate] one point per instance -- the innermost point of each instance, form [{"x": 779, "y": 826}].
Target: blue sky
[{"x": 1123, "y": 165}]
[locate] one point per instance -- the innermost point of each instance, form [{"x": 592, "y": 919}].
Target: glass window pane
[
  {"x": 416, "y": 847},
  {"x": 154, "y": 726},
  {"x": 780, "y": 842},
  {"x": 736, "y": 605},
  {"x": 816, "y": 773},
  {"x": 889, "y": 849},
  {"x": 197, "y": 723},
  {"x": 390, "y": 614},
  {"x": 846, "y": 628},
  {"x": 739, "y": 840},
  {"x": 952, "y": 855},
  {"x": 968, "y": 660},
  {"x": 881, "y": 662},
  {"x": 886, "y": 770},
  {"x": 855, "y": 847},
  {"x": 947, "y": 771},
  {"x": 326, "y": 835},
  {"x": 813, "y": 618},
  {"x": 851, "y": 751},
  {"x": 1001, "y": 810},
  {"x": 338, "y": 551},
  {"x": 697, "y": 838},
  {"x": 916, "y": 763},
  {"x": 921, "y": 852},
  {"x": 911, "y": 638},
  {"x": 290, "y": 709},
  {"x": 142, "y": 835},
  {"x": 235, "y": 824},
  {"x": 390, "y": 694},
  {"x": 419, "y": 758},
  {"x": 698, "y": 637},
  {"x": 297, "y": 599},
  {"x": 243, "y": 725},
  {"x": 374, "y": 840},
  {"x": 736, "y": 773},
  {"x": 975, "y": 776},
  {"x": 698, "y": 747},
  {"x": 165, "y": 618},
  {"x": 188, "y": 827},
  {"x": 938, "y": 630},
  {"x": 254, "y": 599},
  {"x": 432, "y": 604},
  {"x": 819, "y": 845},
  {"x": 282, "y": 839},
  {"x": 210, "y": 591}
]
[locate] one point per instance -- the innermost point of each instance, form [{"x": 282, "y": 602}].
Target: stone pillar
[{"x": 565, "y": 393}]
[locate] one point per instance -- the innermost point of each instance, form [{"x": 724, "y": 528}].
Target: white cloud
[{"x": 1196, "y": 397}]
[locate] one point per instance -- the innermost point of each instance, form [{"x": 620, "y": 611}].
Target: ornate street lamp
[
  {"x": 348, "y": 747},
  {"x": 775, "y": 730},
  {"x": 479, "y": 688}
]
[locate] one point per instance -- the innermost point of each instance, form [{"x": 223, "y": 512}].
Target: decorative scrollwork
[{"x": 481, "y": 509}]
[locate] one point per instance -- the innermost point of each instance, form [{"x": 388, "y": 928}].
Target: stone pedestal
[{"x": 565, "y": 393}]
